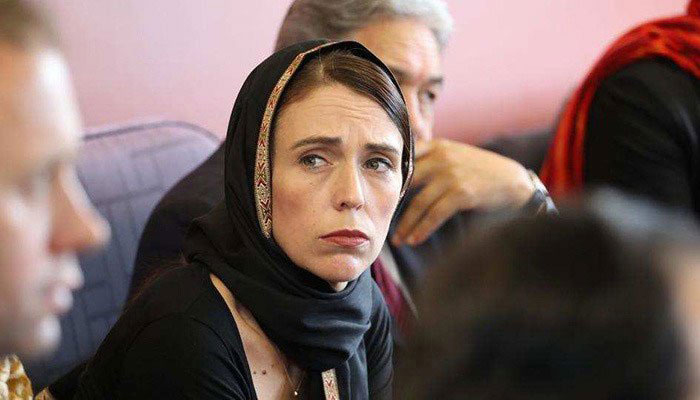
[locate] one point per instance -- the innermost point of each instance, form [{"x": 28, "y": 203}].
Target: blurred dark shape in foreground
[{"x": 598, "y": 303}]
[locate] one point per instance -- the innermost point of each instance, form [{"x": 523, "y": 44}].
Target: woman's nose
[
  {"x": 349, "y": 189},
  {"x": 76, "y": 224}
]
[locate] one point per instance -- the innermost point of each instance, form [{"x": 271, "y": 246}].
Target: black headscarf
[{"x": 315, "y": 326}]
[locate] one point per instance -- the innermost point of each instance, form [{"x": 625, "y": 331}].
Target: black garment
[
  {"x": 163, "y": 237},
  {"x": 178, "y": 340},
  {"x": 643, "y": 134},
  {"x": 316, "y": 327}
]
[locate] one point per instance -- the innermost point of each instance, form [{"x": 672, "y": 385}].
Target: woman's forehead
[{"x": 336, "y": 111}]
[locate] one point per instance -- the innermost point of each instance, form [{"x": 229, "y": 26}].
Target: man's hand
[{"x": 458, "y": 177}]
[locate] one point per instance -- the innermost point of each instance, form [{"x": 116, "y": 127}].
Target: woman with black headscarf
[{"x": 276, "y": 301}]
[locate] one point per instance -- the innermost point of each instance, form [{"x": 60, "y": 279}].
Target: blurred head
[
  {"x": 44, "y": 214},
  {"x": 584, "y": 306},
  {"x": 407, "y": 35},
  {"x": 341, "y": 138}
]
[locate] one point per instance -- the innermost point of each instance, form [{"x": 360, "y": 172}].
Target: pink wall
[
  {"x": 522, "y": 58},
  {"x": 508, "y": 67}
]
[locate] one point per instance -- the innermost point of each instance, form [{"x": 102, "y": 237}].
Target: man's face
[
  {"x": 45, "y": 216},
  {"x": 409, "y": 48}
]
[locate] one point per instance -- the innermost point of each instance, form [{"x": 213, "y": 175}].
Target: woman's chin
[
  {"x": 335, "y": 279},
  {"x": 340, "y": 269}
]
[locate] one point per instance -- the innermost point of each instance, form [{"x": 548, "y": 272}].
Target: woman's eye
[
  {"x": 312, "y": 161},
  {"x": 379, "y": 164}
]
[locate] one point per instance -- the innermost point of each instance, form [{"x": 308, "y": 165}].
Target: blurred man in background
[{"x": 45, "y": 217}]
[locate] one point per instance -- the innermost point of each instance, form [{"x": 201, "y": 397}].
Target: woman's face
[{"x": 336, "y": 181}]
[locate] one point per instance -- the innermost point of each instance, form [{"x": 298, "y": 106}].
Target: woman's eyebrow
[
  {"x": 336, "y": 141},
  {"x": 381, "y": 147},
  {"x": 325, "y": 140}
]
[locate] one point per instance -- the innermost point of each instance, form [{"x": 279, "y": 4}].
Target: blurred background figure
[
  {"x": 45, "y": 217},
  {"x": 601, "y": 303},
  {"x": 634, "y": 123}
]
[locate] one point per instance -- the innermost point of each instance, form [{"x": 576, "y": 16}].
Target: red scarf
[{"x": 677, "y": 39}]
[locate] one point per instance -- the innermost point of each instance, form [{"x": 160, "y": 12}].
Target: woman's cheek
[
  {"x": 386, "y": 199},
  {"x": 292, "y": 189},
  {"x": 290, "y": 202}
]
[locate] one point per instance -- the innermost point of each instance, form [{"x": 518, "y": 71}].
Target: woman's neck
[
  {"x": 338, "y": 286},
  {"x": 274, "y": 377}
]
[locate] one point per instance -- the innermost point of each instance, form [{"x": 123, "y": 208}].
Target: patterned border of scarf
[{"x": 263, "y": 194}]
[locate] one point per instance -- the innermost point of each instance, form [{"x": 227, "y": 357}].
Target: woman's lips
[{"x": 346, "y": 238}]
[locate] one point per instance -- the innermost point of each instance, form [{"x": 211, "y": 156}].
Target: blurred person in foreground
[
  {"x": 634, "y": 123},
  {"x": 600, "y": 303},
  {"x": 45, "y": 217},
  {"x": 450, "y": 177}
]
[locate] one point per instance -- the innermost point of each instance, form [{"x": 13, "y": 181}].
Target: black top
[
  {"x": 181, "y": 328},
  {"x": 643, "y": 132},
  {"x": 163, "y": 237}
]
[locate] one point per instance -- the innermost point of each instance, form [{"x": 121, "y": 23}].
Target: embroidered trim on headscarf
[
  {"x": 330, "y": 385},
  {"x": 263, "y": 200}
]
